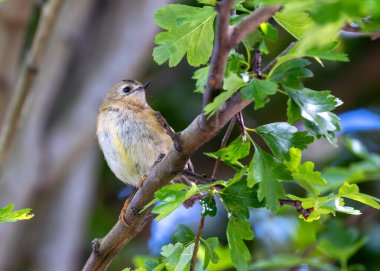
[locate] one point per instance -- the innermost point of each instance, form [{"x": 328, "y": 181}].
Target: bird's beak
[{"x": 147, "y": 84}]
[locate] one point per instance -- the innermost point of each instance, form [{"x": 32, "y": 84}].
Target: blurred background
[{"x": 55, "y": 166}]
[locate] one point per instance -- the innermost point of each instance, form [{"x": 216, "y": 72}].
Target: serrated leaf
[
  {"x": 236, "y": 150},
  {"x": 281, "y": 136},
  {"x": 268, "y": 171},
  {"x": 210, "y": 245},
  {"x": 208, "y": 206},
  {"x": 172, "y": 196},
  {"x": 351, "y": 191},
  {"x": 289, "y": 73},
  {"x": 259, "y": 90},
  {"x": 8, "y": 215},
  {"x": 304, "y": 174},
  {"x": 189, "y": 30},
  {"x": 315, "y": 107},
  {"x": 238, "y": 197},
  {"x": 237, "y": 231},
  {"x": 201, "y": 76},
  {"x": 231, "y": 84},
  {"x": 296, "y": 23},
  {"x": 184, "y": 234}
]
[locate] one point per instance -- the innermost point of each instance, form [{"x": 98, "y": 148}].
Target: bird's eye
[{"x": 126, "y": 89}]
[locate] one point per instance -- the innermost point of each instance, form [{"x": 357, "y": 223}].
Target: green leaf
[
  {"x": 325, "y": 51},
  {"x": 210, "y": 245},
  {"x": 201, "y": 76},
  {"x": 231, "y": 84},
  {"x": 251, "y": 40},
  {"x": 235, "y": 151},
  {"x": 189, "y": 30},
  {"x": 185, "y": 258},
  {"x": 289, "y": 73},
  {"x": 7, "y": 214},
  {"x": 268, "y": 171},
  {"x": 281, "y": 136},
  {"x": 270, "y": 32},
  {"x": 293, "y": 111},
  {"x": 259, "y": 90},
  {"x": 238, "y": 197},
  {"x": 172, "y": 253},
  {"x": 304, "y": 174},
  {"x": 173, "y": 196},
  {"x": 237, "y": 231},
  {"x": 184, "y": 234},
  {"x": 208, "y": 206},
  {"x": 177, "y": 256},
  {"x": 351, "y": 191},
  {"x": 207, "y": 2},
  {"x": 296, "y": 23},
  {"x": 314, "y": 108}
]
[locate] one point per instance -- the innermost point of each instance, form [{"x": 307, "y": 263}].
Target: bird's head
[{"x": 128, "y": 89}]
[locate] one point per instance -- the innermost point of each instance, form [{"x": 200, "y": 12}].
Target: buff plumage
[{"x": 129, "y": 133}]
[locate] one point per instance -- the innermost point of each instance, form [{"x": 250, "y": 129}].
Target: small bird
[{"x": 131, "y": 134}]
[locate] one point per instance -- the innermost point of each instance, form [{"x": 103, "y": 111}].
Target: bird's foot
[
  {"x": 141, "y": 182},
  {"x": 122, "y": 216}
]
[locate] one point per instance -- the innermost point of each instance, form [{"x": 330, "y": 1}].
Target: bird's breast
[{"x": 131, "y": 142}]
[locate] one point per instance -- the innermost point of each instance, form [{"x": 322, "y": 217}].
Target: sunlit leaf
[
  {"x": 189, "y": 30},
  {"x": 314, "y": 108},
  {"x": 235, "y": 151},
  {"x": 8, "y": 215},
  {"x": 281, "y": 136},
  {"x": 304, "y": 174}
]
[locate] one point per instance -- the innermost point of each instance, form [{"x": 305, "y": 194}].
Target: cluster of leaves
[
  {"x": 259, "y": 183},
  {"x": 8, "y": 215}
]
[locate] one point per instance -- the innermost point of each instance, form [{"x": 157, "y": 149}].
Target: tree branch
[
  {"x": 251, "y": 22},
  {"x": 200, "y": 131},
  {"x": 220, "y": 52},
  {"x": 49, "y": 16},
  {"x": 227, "y": 38}
]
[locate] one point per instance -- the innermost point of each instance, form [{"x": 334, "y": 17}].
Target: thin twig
[
  {"x": 273, "y": 62},
  {"x": 28, "y": 75},
  {"x": 222, "y": 145},
  {"x": 298, "y": 205},
  {"x": 240, "y": 120},
  {"x": 195, "y": 177},
  {"x": 196, "y": 244}
]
